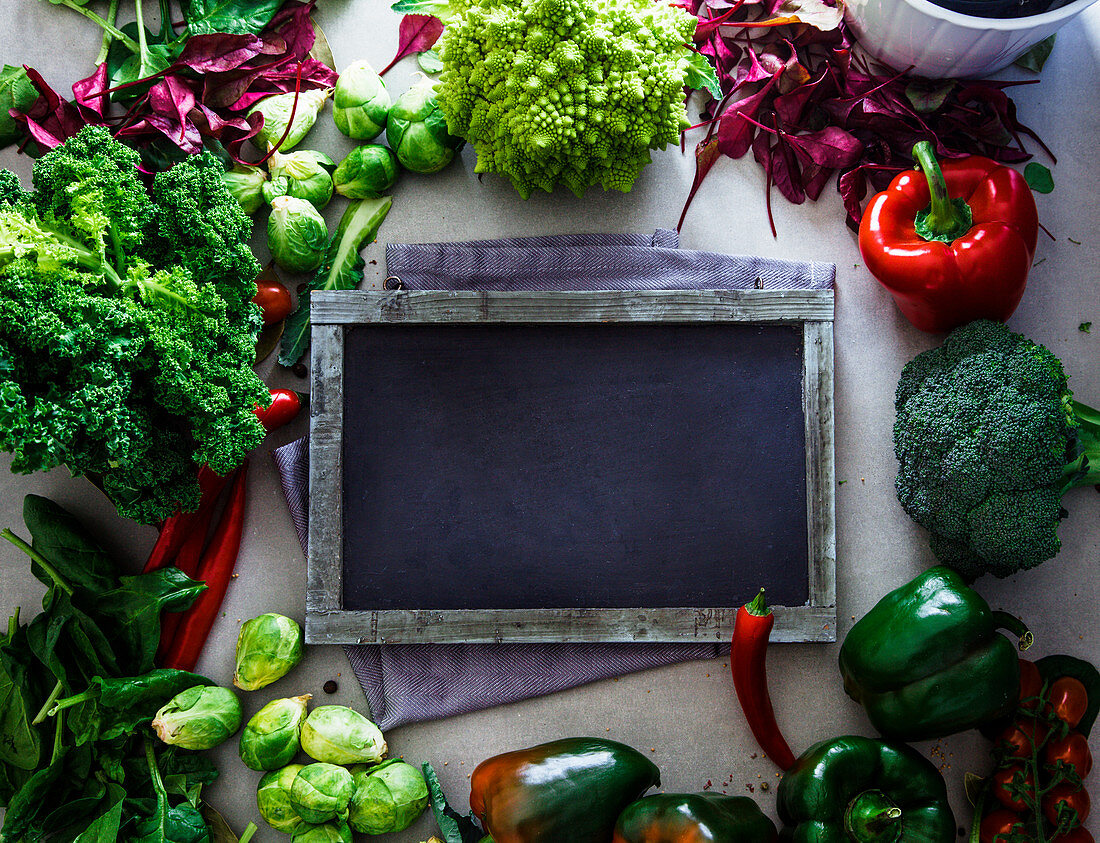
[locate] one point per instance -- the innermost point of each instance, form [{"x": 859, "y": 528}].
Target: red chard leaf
[
  {"x": 89, "y": 92},
  {"x": 416, "y": 34},
  {"x": 219, "y": 52}
]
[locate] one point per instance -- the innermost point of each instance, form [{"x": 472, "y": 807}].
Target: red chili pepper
[
  {"x": 285, "y": 405},
  {"x": 751, "y": 629},
  {"x": 176, "y": 530},
  {"x": 954, "y": 243},
  {"x": 188, "y": 560},
  {"x": 272, "y": 296},
  {"x": 216, "y": 569}
]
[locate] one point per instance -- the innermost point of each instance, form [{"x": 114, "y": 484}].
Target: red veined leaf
[
  {"x": 416, "y": 34},
  {"x": 219, "y": 52}
]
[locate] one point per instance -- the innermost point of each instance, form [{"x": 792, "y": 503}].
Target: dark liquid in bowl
[{"x": 1001, "y": 8}]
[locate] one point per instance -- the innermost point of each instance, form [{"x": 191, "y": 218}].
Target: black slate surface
[{"x": 547, "y": 466}]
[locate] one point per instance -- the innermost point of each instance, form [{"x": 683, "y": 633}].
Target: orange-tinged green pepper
[
  {"x": 694, "y": 818},
  {"x": 566, "y": 790}
]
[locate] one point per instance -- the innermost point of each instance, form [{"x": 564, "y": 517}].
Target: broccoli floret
[
  {"x": 575, "y": 92},
  {"x": 11, "y": 191},
  {"x": 127, "y": 330},
  {"x": 988, "y": 439}
]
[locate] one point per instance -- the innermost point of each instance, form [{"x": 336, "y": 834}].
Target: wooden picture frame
[{"x": 333, "y": 313}]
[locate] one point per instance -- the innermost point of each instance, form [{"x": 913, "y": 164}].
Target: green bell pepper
[
  {"x": 927, "y": 660},
  {"x": 865, "y": 790},
  {"x": 689, "y": 817},
  {"x": 572, "y": 789}
]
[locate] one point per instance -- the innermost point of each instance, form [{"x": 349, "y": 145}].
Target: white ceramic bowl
[{"x": 938, "y": 42}]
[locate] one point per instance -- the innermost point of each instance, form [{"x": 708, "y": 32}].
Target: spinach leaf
[
  {"x": 454, "y": 827},
  {"x": 19, "y": 741},
  {"x": 132, "y": 612},
  {"x": 186, "y": 825},
  {"x": 68, "y": 547},
  {"x": 33, "y": 796},
  {"x": 112, "y": 707},
  {"x": 104, "y": 828},
  {"x": 70, "y": 644},
  {"x": 233, "y": 16}
]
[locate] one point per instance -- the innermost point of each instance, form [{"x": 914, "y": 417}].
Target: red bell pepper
[{"x": 952, "y": 243}]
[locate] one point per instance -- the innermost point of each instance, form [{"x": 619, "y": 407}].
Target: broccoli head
[
  {"x": 565, "y": 91},
  {"x": 988, "y": 439}
]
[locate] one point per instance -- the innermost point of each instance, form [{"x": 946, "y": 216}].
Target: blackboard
[{"x": 569, "y": 466}]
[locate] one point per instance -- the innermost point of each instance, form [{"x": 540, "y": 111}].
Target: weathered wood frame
[{"x": 334, "y": 312}]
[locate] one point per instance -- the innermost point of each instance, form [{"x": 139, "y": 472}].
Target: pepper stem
[
  {"x": 1003, "y": 620},
  {"x": 871, "y": 816},
  {"x": 758, "y": 606},
  {"x": 945, "y": 219}
]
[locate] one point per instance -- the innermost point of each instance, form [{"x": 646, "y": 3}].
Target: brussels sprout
[
  {"x": 336, "y": 831},
  {"x": 296, "y": 234},
  {"x": 247, "y": 186},
  {"x": 303, "y": 174},
  {"x": 388, "y": 797},
  {"x": 320, "y": 792},
  {"x": 267, "y": 648},
  {"x": 273, "y": 799},
  {"x": 360, "y": 103},
  {"x": 272, "y": 737},
  {"x": 276, "y": 111},
  {"x": 417, "y": 131},
  {"x": 367, "y": 171},
  {"x": 199, "y": 718},
  {"x": 338, "y": 735}
]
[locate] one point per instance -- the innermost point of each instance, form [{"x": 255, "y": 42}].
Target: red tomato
[
  {"x": 1075, "y": 798},
  {"x": 1007, "y": 781},
  {"x": 997, "y": 825},
  {"x": 1068, "y": 699},
  {"x": 1073, "y": 749},
  {"x": 1031, "y": 684},
  {"x": 272, "y": 297},
  {"x": 1020, "y": 739}
]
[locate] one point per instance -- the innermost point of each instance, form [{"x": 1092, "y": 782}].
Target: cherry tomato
[
  {"x": 285, "y": 404},
  {"x": 1007, "y": 781},
  {"x": 997, "y": 825},
  {"x": 1068, "y": 699},
  {"x": 272, "y": 297},
  {"x": 1031, "y": 684},
  {"x": 1073, "y": 749},
  {"x": 1076, "y": 798},
  {"x": 1020, "y": 739}
]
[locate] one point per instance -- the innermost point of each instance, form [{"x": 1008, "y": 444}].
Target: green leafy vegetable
[
  {"x": 1039, "y": 178},
  {"x": 454, "y": 827},
  {"x": 73, "y": 727},
  {"x": 127, "y": 328},
  {"x": 341, "y": 269},
  {"x": 16, "y": 91},
  {"x": 233, "y": 16},
  {"x": 1085, "y": 327},
  {"x": 1037, "y": 56}
]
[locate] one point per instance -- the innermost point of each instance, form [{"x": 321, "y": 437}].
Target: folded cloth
[{"x": 407, "y": 683}]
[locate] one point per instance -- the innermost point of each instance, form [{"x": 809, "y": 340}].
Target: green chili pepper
[
  {"x": 864, "y": 790},
  {"x": 927, "y": 660},
  {"x": 689, "y": 817}
]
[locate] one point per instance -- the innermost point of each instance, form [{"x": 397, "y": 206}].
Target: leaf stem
[
  {"x": 39, "y": 558},
  {"x": 58, "y": 746},
  {"x": 44, "y": 712},
  {"x": 112, "y": 15},
  {"x": 107, "y": 27},
  {"x": 246, "y": 835}
]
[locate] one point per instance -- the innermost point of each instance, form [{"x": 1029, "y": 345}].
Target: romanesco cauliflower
[{"x": 575, "y": 92}]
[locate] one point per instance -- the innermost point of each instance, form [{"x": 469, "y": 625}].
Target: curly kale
[
  {"x": 11, "y": 191},
  {"x": 127, "y": 330},
  {"x": 988, "y": 439}
]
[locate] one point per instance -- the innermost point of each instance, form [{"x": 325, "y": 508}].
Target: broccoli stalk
[{"x": 988, "y": 440}]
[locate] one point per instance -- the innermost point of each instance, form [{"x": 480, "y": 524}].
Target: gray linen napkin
[{"x": 407, "y": 683}]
